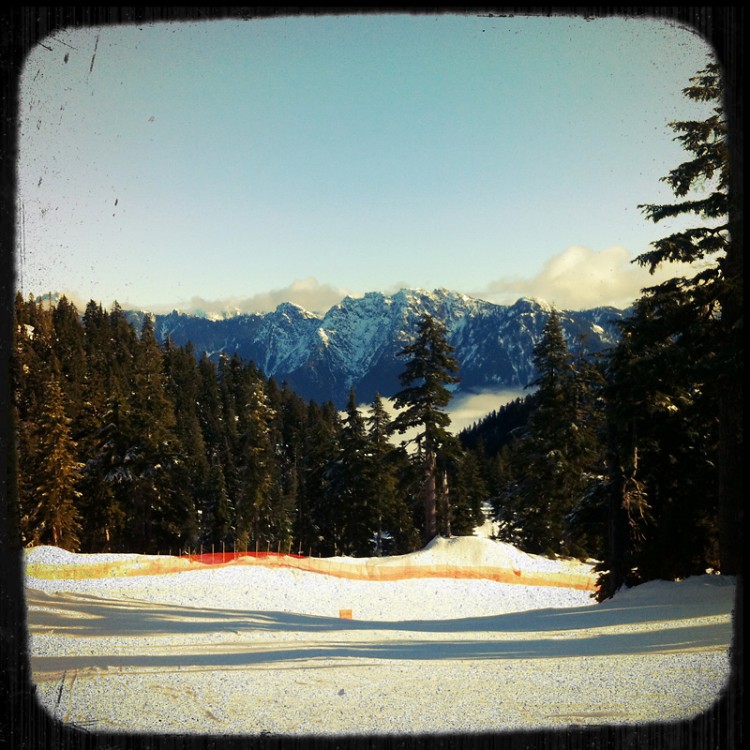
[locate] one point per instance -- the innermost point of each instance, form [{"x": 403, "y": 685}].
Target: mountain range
[{"x": 356, "y": 342}]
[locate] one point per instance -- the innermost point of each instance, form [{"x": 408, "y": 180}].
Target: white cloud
[
  {"x": 580, "y": 278},
  {"x": 308, "y": 293},
  {"x": 576, "y": 279},
  {"x": 466, "y": 409}
]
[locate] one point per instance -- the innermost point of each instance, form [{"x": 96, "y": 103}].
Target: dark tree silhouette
[{"x": 430, "y": 368}]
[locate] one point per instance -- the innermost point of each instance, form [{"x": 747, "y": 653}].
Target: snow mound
[
  {"x": 472, "y": 551},
  {"x": 706, "y": 589},
  {"x": 49, "y": 555},
  {"x": 465, "y": 550}
]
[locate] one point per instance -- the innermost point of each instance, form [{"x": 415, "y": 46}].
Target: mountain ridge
[{"x": 355, "y": 343}]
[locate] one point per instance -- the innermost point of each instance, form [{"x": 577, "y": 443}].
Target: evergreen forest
[{"x": 125, "y": 445}]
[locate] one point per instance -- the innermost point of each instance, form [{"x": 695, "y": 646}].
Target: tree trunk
[
  {"x": 617, "y": 515},
  {"x": 446, "y": 508},
  {"x": 730, "y": 480},
  {"x": 430, "y": 497},
  {"x": 731, "y": 453}
]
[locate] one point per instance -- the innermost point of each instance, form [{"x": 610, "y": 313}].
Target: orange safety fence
[
  {"x": 372, "y": 569},
  {"x": 143, "y": 565},
  {"x": 135, "y": 567},
  {"x": 217, "y": 558}
]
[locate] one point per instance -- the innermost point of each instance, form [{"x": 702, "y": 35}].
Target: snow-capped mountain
[{"x": 356, "y": 343}]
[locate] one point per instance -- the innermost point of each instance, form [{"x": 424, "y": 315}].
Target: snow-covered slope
[{"x": 245, "y": 649}]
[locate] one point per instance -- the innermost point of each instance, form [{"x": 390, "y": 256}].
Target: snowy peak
[
  {"x": 356, "y": 343},
  {"x": 292, "y": 311}
]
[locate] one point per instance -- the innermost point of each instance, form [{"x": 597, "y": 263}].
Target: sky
[{"x": 233, "y": 165}]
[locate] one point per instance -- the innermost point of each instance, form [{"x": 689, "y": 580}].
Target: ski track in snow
[{"x": 248, "y": 649}]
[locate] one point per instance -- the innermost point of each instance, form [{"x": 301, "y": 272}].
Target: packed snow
[{"x": 256, "y": 649}]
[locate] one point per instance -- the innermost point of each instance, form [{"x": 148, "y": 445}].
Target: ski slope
[{"x": 253, "y": 647}]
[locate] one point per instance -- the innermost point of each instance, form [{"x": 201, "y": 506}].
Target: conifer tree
[
  {"x": 676, "y": 376},
  {"x": 218, "y": 511},
  {"x": 291, "y": 412},
  {"x": 191, "y": 465},
  {"x": 163, "y": 513},
  {"x": 210, "y": 411},
  {"x": 352, "y": 508},
  {"x": 98, "y": 430},
  {"x": 34, "y": 356},
  {"x": 96, "y": 343},
  {"x": 467, "y": 491},
  {"x": 181, "y": 387},
  {"x": 107, "y": 479},
  {"x": 395, "y": 531},
  {"x": 661, "y": 479},
  {"x": 314, "y": 526},
  {"x": 120, "y": 348},
  {"x": 218, "y": 528},
  {"x": 286, "y": 479},
  {"x": 47, "y": 466},
  {"x": 68, "y": 346},
  {"x": 552, "y": 462},
  {"x": 229, "y": 372},
  {"x": 543, "y": 492},
  {"x": 262, "y": 519},
  {"x": 54, "y": 518},
  {"x": 430, "y": 368},
  {"x": 705, "y": 311},
  {"x": 98, "y": 382}
]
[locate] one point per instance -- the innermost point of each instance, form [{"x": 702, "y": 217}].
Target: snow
[
  {"x": 253, "y": 648},
  {"x": 47, "y": 555}
]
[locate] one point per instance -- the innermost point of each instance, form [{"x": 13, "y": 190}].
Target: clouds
[
  {"x": 308, "y": 293},
  {"x": 469, "y": 408},
  {"x": 580, "y": 278},
  {"x": 576, "y": 279},
  {"x": 464, "y": 410}
]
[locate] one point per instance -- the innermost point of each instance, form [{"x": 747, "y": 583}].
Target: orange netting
[
  {"x": 215, "y": 558},
  {"x": 372, "y": 569}
]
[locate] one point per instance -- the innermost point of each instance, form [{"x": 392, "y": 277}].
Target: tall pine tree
[
  {"x": 163, "y": 513},
  {"x": 395, "y": 531},
  {"x": 552, "y": 463},
  {"x": 430, "y": 368},
  {"x": 352, "y": 498},
  {"x": 55, "y": 518},
  {"x": 676, "y": 377}
]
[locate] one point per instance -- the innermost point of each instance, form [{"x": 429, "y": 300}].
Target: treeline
[
  {"x": 636, "y": 459},
  {"x": 498, "y": 428},
  {"x": 125, "y": 445},
  {"x": 601, "y": 447},
  {"x": 541, "y": 455}
]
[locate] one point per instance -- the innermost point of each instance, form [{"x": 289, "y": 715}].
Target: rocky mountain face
[{"x": 356, "y": 343}]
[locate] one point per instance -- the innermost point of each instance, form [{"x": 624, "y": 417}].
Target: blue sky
[{"x": 243, "y": 163}]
